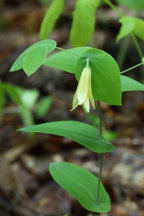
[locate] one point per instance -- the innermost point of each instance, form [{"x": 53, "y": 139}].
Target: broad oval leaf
[
  {"x": 65, "y": 60},
  {"x": 106, "y": 84},
  {"x": 50, "y": 18},
  {"x": 83, "y": 22},
  {"x": 49, "y": 45},
  {"x": 81, "y": 184},
  {"x": 134, "y": 4},
  {"x": 84, "y": 134},
  {"x": 129, "y": 84}
]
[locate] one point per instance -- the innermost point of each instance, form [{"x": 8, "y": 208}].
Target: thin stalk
[
  {"x": 66, "y": 51},
  {"x": 101, "y": 155},
  {"x": 113, "y": 7},
  {"x": 131, "y": 68},
  {"x": 123, "y": 51},
  {"x": 137, "y": 45}
]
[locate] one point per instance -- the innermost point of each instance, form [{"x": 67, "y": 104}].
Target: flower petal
[
  {"x": 87, "y": 105},
  {"x": 83, "y": 86},
  {"x": 75, "y": 101},
  {"x": 91, "y": 98}
]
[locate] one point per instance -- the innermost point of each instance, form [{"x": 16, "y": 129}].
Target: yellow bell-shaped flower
[{"x": 83, "y": 95}]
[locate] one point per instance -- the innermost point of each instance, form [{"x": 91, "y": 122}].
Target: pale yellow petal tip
[{"x": 83, "y": 95}]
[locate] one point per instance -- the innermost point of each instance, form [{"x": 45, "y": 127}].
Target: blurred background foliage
[{"x": 26, "y": 188}]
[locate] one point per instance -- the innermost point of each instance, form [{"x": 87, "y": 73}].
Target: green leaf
[
  {"x": 110, "y": 135},
  {"x": 129, "y": 25},
  {"x": 106, "y": 84},
  {"x": 44, "y": 106},
  {"x": 83, "y": 134},
  {"x": 134, "y": 4},
  {"x": 83, "y": 22},
  {"x": 50, "y": 18},
  {"x": 49, "y": 45},
  {"x": 143, "y": 60},
  {"x": 12, "y": 93},
  {"x": 65, "y": 60},
  {"x": 129, "y": 84},
  {"x": 82, "y": 185},
  {"x": 28, "y": 97},
  {"x": 34, "y": 59},
  {"x": 139, "y": 28},
  {"x": 93, "y": 119}
]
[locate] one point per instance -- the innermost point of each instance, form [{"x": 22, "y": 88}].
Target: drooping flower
[{"x": 83, "y": 95}]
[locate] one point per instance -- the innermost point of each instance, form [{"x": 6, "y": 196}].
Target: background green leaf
[
  {"x": 28, "y": 97},
  {"x": 65, "y": 60},
  {"x": 139, "y": 28},
  {"x": 50, "y": 18},
  {"x": 82, "y": 185},
  {"x": 44, "y": 106},
  {"x": 134, "y": 4},
  {"x": 129, "y": 25},
  {"x": 49, "y": 45},
  {"x": 12, "y": 93},
  {"x": 83, "y": 22},
  {"x": 84, "y": 134},
  {"x": 106, "y": 84},
  {"x": 129, "y": 84}
]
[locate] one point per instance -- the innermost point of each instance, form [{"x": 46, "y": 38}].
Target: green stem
[
  {"x": 137, "y": 45},
  {"x": 123, "y": 51},
  {"x": 101, "y": 155},
  {"x": 113, "y": 7},
  {"x": 66, "y": 51},
  {"x": 131, "y": 68}
]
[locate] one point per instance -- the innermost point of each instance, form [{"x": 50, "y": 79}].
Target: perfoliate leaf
[
  {"x": 82, "y": 185},
  {"x": 65, "y": 60},
  {"x": 134, "y": 4},
  {"x": 50, "y": 18},
  {"x": 129, "y": 25},
  {"x": 129, "y": 84},
  {"x": 106, "y": 84},
  {"x": 84, "y": 134},
  {"x": 83, "y": 22},
  {"x": 40, "y": 48}
]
